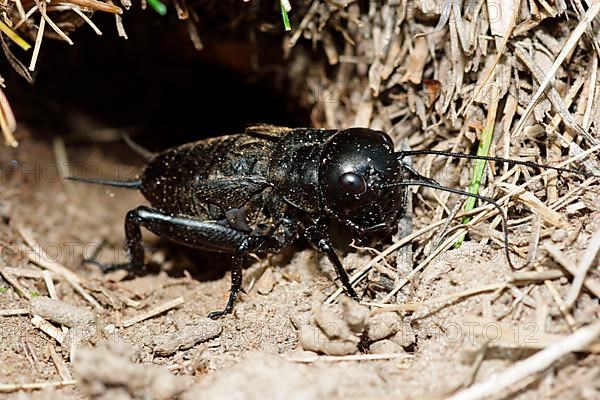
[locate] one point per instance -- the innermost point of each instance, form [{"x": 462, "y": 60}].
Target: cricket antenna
[
  {"x": 135, "y": 184},
  {"x": 407, "y": 153},
  {"x": 430, "y": 183}
]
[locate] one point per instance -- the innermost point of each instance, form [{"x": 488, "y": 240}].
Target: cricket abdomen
[{"x": 170, "y": 178}]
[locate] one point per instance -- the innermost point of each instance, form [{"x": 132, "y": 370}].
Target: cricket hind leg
[
  {"x": 194, "y": 233},
  {"x": 135, "y": 249}
]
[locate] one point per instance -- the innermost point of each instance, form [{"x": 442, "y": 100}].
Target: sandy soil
[{"x": 255, "y": 353}]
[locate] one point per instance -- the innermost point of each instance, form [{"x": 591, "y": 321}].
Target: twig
[
  {"x": 363, "y": 271},
  {"x": 437, "y": 300},
  {"x": 354, "y": 357},
  {"x": 49, "y": 285},
  {"x": 404, "y": 258},
  {"x": 87, "y": 20},
  {"x": 534, "y": 364},
  {"x": 535, "y": 276},
  {"x": 552, "y": 93},
  {"x": 30, "y": 273},
  {"x": 15, "y": 283},
  {"x": 13, "y": 387},
  {"x": 48, "y": 328},
  {"x": 470, "y": 378},
  {"x": 591, "y": 94},
  {"x": 120, "y": 27},
  {"x": 60, "y": 155},
  {"x": 590, "y": 284},
  {"x": 20, "y": 9},
  {"x": 153, "y": 312},
  {"x": 77, "y": 10},
  {"x": 8, "y": 124},
  {"x": 446, "y": 245},
  {"x": 40, "y": 258},
  {"x": 13, "y": 312},
  {"x": 95, "y": 5},
  {"x": 24, "y": 18},
  {"x": 559, "y": 301},
  {"x": 535, "y": 204},
  {"x": 304, "y": 23},
  {"x": 38, "y": 43},
  {"x": 60, "y": 365},
  {"x": 54, "y": 27},
  {"x": 517, "y": 278},
  {"x": 586, "y": 262},
  {"x": 83, "y": 293}
]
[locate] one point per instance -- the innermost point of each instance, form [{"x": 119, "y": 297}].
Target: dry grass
[{"x": 437, "y": 78}]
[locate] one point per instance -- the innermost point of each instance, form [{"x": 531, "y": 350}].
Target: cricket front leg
[{"x": 317, "y": 236}]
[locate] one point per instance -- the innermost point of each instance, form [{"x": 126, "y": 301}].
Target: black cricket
[{"x": 259, "y": 191}]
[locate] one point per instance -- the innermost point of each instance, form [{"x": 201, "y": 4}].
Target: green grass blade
[
  {"x": 158, "y": 6},
  {"x": 285, "y": 17},
  {"x": 12, "y": 35},
  {"x": 478, "y": 170}
]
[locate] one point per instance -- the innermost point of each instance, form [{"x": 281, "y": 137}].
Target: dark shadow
[{"x": 155, "y": 85}]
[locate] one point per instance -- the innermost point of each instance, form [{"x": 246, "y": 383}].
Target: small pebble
[
  {"x": 313, "y": 339},
  {"x": 385, "y": 346},
  {"x": 383, "y": 325},
  {"x": 355, "y": 315},
  {"x": 186, "y": 338},
  {"x": 109, "y": 330},
  {"x": 309, "y": 338},
  {"x": 405, "y": 336},
  {"x": 333, "y": 326},
  {"x": 302, "y": 355},
  {"x": 266, "y": 283},
  {"x": 559, "y": 235},
  {"x": 339, "y": 348}
]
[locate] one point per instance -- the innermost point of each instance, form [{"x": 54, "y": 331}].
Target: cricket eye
[{"x": 352, "y": 183}]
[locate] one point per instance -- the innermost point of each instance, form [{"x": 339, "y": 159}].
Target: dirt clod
[
  {"x": 405, "y": 336},
  {"x": 355, "y": 315},
  {"x": 81, "y": 322},
  {"x": 333, "y": 326},
  {"x": 314, "y": 339},
  {"x": 262, "y": 376},
  {"x": 61, "y": 312},
  {"x": 110, "y": 371},
  {"x": 186, "y": 338},
  {"x": 385, "y": 346},
  {"x": 266, "y": 282},
  {"x": 383, "y": 325},
  {"x": 330, "y": 334}
]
